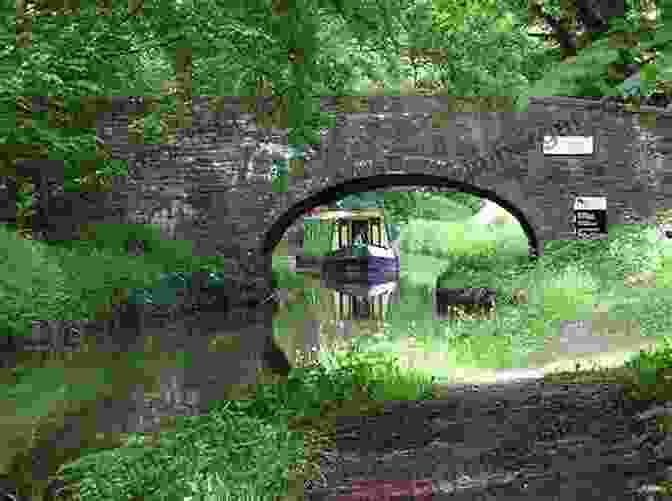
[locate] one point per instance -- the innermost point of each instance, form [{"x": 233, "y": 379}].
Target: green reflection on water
[{"x": 464, "y": 347}]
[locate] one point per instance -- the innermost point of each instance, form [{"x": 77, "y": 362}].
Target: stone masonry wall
[
  {"x": 213, "y": 185},
  {"x": 631, "y": 167}
]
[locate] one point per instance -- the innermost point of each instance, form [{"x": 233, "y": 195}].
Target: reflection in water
[
  {"x": 389, "y": 317},
  {"x": 103, "y": 390},
  {"x": 132, "y": 382},
  {"x": 361, "y": 301},
  {"x": 311, "y": 339},
  {"x": 344, "y": 329},
  {"x": 327, "y": 313}
]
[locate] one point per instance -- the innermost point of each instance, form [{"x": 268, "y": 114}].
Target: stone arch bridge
[{"x": 218, "y": 170}]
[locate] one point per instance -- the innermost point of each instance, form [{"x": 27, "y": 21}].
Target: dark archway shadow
[{"x": 337, "y": 192}]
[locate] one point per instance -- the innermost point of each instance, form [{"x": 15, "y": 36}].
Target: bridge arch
[{"x": 357, "y": 185}]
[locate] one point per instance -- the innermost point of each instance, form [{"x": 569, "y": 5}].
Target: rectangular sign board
[
  {"x": 568, "y": 145},
  {"x": 590, "y": 217}
]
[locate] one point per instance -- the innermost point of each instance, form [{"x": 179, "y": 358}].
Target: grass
[
  {"x": 225, "y": 454},
  {"x": 236, "y": 435},
  {"x": 566, "y": 284},
  {"x": 82, "y": 279},
  {"x": 229, "y": 446}
]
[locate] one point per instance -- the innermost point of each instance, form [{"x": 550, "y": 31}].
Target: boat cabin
[{"x": 367, "y": 223}]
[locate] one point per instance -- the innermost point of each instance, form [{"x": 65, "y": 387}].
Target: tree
[
  {"x": 293, "y": 53},
  {"x": 441, "y": 50},
  {"x": 75, "y": 53},
  {"x": 595, "y": 41},
  {"x": 52, "y": 71},
  {"x": 399, "y": 206},
  {"x": 616, "y": 44}
]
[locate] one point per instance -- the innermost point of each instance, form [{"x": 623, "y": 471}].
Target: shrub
[{"x": 32, "y": 286}]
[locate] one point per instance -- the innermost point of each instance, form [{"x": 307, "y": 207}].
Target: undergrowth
[{"x": 227, "y": 453}]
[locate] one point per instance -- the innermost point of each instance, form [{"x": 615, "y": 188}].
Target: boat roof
[{"x": 349, "y": 214}]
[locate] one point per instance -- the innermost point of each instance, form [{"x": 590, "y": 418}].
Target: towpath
[{"x": 526, "y": 440}]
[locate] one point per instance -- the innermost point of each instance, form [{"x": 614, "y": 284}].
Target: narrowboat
[{"x": 360, "y": 250}]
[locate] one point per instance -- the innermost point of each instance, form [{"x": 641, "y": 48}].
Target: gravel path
[{"x": 519, "y": 440}]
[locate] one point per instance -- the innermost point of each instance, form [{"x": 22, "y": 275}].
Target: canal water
[
  {"x": 102, "y": 391},
  {"x": 97, "y": 393},
  {"x": 401, "y": 318}
]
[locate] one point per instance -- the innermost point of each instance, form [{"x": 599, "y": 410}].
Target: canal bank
[{"x": 474, "y": 338}]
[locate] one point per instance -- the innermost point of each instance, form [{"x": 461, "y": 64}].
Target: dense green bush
[
  {"x": 464, "y": 199},
  {"x": 441, "y": 209},
  {"x": 32, "y": 287},
  {"x": 79, "y": 279}
]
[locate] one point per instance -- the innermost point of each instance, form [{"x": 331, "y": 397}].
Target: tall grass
[
  {"x": 214, "y": 454},
  {"x": 75, "y": 280},
  {"x": 447, "y": 239},
  {"x": 566, "y": 284},
  {"x": 223, "y": 453},
  {"x": 227, "y": 453}
]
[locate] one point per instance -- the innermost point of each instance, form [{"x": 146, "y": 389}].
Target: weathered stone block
[
  {"x": 482, "y": 296},
  {"x": 222, "y": 167},
  {"x": 478, "y": 301}
]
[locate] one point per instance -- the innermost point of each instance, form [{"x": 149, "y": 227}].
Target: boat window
[
  {"x": 340, "y": 234},
  {"x": 376, "y": 232},
  {"x": 360, "y": 228},
  {"x": 344, "y": 234}
]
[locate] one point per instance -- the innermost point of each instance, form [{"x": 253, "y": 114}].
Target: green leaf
[
  {"x": 92, "y": 87},
  {"x": 505, "y": 22},
  {"x": 662, "y": 37},
  {"x": 648, "y": 72},
  {"x": 648, "y": 79},
  {"x": 590, "y": 65}
]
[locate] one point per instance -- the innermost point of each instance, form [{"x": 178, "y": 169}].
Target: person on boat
[
  {"x": 362, "y": 238},
  {"x": 360, "y": 244}
]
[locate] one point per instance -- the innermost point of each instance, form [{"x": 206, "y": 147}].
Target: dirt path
[{"x": 520, "y": 440}]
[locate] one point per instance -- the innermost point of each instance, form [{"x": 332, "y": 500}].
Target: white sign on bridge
[
  {"x": 568, "y": 145},
  {"x": 590, "y": 217}
]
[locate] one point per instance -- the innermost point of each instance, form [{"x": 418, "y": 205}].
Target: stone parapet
[{"x": 214, "y": 187}]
